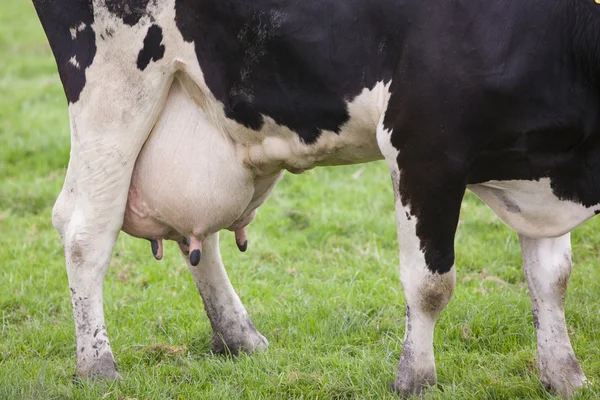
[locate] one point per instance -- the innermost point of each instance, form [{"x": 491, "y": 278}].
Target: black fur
[
  {"x": 56, "y": 18},
  {"x": 153, "y": 50},
  {"x": 495, "y": 91},
  {"x": 297, "y": 62},
  {"x": 130, "y": 11}
]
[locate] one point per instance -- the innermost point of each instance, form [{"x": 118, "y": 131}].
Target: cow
[{"x": 184, "y": 113}]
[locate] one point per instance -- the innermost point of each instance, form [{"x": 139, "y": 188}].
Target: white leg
[
  {"x": 109, "y": 125},
  {"x": 427, "y": 294},
  {"x": 233, "y": 330},
  {"x": 427, "y": 209},
  {"x": 547, "y": 267}
]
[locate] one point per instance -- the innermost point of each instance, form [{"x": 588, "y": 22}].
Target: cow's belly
[
  {"x": 531, "y": 208},
  {"x": 189, "y": 179},
  {"x": 356, "y": 142}
]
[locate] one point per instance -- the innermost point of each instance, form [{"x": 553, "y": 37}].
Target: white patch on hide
[
  {"x": 76, "y": 29},
  {"x": 355, "y": 143},
  {"x": 73, "y": 61},
  {"x": 531, "y": 208}
]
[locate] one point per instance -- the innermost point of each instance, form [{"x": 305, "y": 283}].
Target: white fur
[
  {"x": 73, "y": 61},
  {"x": 75, "y": 30},
  {"x": 547, "y": 267},
  {"x": 531, "y": 208},
  {"x": 188, "y": 177},
  {"x": 355, "y": 143}
]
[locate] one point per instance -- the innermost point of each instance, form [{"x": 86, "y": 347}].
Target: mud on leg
[
  {"x": 547, "y": 268},
  {"x": 233, "y": 331}
]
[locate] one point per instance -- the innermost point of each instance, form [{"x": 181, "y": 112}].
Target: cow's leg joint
[{"x": 425, "y": 301}]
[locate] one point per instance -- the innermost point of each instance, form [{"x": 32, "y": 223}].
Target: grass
[{"x": 319, "y": 280}]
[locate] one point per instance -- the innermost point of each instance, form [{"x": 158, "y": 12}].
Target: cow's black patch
[
  {"x": 153, "y": 49},
  {"x": 130, "y": 11},
  {"x": 73, "y": 52},
  {"x": 296, "y": 62},
  {"x": 480, "y": 95}
]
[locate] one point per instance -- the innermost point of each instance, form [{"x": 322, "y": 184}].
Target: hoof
[
  {"x": 561, "y": 374},
  {"x": 565, "y": 387},
  {"x": 251, "y": 341},
  {"x": 103, "y": 368},
  {"x": 409, "y": 382},
  {"x": 411, "y": 390}
]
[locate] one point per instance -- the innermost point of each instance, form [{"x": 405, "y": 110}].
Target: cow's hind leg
[
  {"x": 547, "y": 267},
  {"x": 233, "y": 330},
  {"x": 428, "y": 196},
  {"x": 109, "y": 124}
]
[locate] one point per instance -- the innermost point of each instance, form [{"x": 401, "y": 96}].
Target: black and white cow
[{"x": 184, "y": 113}]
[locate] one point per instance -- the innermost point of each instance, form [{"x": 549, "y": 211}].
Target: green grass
[{"x": 319, "y": 280}]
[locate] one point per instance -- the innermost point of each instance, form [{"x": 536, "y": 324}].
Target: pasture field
[{"x": 319, "y": 280}]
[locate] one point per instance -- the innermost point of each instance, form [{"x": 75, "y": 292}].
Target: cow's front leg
[
  {"x": 428, "y": 275},
  {"x": 547, "y": 267},
  {"x": 89, "y": 214},
  {"x": 233, "y": 330},
  {"x": 110, "y": 121},
  {"x": 428, "y": 188}
]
